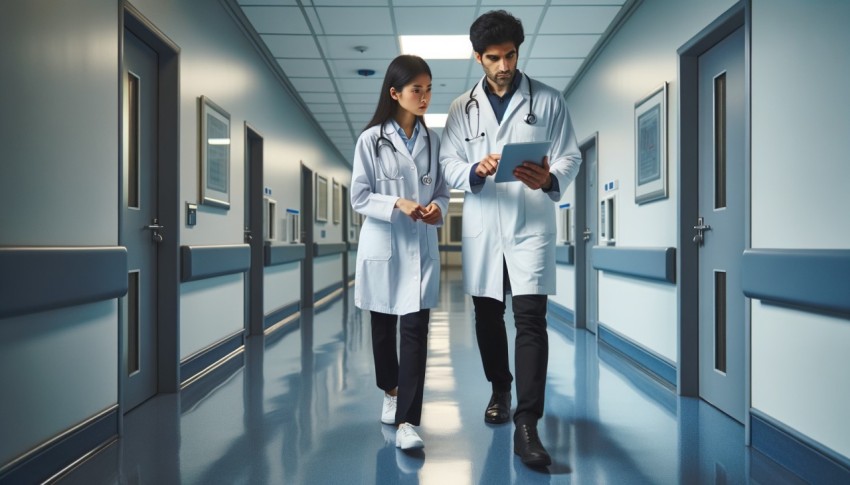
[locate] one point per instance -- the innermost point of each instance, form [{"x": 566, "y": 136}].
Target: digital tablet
[{"x": 513, "y": 154}]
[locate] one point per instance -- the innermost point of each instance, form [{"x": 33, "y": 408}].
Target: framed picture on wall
[
  {"x": 337, "y": 202},
  {"x": 214, "y": 149},
  {"x": 651, "y": 146},
  {"x": 321, "y": 198}
]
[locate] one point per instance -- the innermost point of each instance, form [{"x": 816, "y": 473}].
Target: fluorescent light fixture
[
  {"x": 437, "y": 46},
  {"x": 436, "y": 120},
  {"x": 456, "y": 200},
  {"x": 219, "y": 141}
]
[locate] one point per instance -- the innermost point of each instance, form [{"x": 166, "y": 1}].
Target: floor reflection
[{"x": 301, "y": 407}]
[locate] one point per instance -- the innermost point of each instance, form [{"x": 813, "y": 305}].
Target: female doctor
[{"x": 397, "y": 184}]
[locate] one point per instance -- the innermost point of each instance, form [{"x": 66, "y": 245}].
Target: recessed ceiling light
[
  {"x": 436, "y": 120},
  {"x": 437, "y": 46}
]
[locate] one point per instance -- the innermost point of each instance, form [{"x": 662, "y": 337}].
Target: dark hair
[
  {"x": 495, "y": 27},
  {"x": 400, "y": 73}
]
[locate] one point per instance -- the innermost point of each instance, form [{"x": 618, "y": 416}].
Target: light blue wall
[
  {"x": 217, "y": 60},
  {"x": 640, "y": 57},
  {"x": 281, "y": 286},
  {"x": 800, "y": 170},
  {"x": 58, "y": 187},
  {"x": 327, "y": 271}
]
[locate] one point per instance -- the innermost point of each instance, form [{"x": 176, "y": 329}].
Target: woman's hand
[
  {"x": 412, "y": 209},
  {"x": 432, "y": 214}
]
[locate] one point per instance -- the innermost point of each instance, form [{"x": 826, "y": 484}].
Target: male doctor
[{"x": 509, "y": 228}]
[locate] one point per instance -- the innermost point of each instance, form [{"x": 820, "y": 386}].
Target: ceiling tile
[
  {"x": 445, "y": 68},
  {"x": 433, "y": 3},
  {"x": 277, "y": 20},
  {"x": 268, "y": 2},
  {"x": 340, "y": 134},
  {"x": 323, "y": 117},
  {"x": 319, "y": 97},
  {"x": 335, "y": 125},
  {"x": 563, "y": 45},
  {"x": 355, "y": 20},
  {"x": 303, "y": 67},
  {"x": 529, "y": 16},
  {"x": 325, "y": 108},
  {"x": 343, "y": 46},
  {"x": 552, "y": 67},
  {"x": 348, "y": 68},
  {"x": 312, "y": 84},
  {"x": 359, "y": 119},
  {"x": 433, "y": 20},
  {"x": 371, "y": 98},
  {"x": 365, "y": 3},
  {"x": 578, "y": 20},
  {"x": 559, "y": 83},
  {"x": 587, "y": 2},
  {"x": 360, "y": 85},
  {"x": 292, "y": 45},
  {"x": 505, "y": 4},
  {"x": 360, "y": 108}
]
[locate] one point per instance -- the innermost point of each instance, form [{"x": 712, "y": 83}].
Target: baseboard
[
  {"x": 282, "y": 313},
  {"x": 654, "y": 364},
  {"x": 805, "y": 458},
  {"x": 64, "y": 451},
  {"x": 561, "y": 312},
  {"x": 203, "y": 360}
]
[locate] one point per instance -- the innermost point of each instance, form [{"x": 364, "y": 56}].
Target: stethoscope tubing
[
  {"x": 530, "y": 118},
  {"x": 426, "y": 179}
]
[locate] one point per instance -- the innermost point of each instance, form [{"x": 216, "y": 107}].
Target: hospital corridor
[{"x": 305, "y": 410}]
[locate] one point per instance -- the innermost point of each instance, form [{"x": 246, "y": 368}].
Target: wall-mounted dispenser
[
  {"x": 269, "y": 219},
  {"x": 293, "y": 222},
  {"x": 608, "y": 221}
]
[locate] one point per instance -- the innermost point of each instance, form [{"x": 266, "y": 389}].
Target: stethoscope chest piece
[{"x": 426, "y": 179}]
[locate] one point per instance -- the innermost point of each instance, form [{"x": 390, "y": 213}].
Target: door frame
[
  {"x": 168, "y": 192},
  {"x": 254, "y": 310},
  {"x": 580, "y": 247},
  {"x": 687, "y": 265},
  {"x": 307, "y": 234}
]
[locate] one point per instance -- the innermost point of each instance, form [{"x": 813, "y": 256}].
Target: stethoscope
[
  {"x": 383, "y": 141},
  {"x": 530, "y": 118}
]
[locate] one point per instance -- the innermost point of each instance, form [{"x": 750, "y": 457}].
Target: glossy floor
[{"x": 302, "y": 408}]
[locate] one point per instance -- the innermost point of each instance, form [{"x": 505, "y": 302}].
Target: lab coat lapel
[
  {"x": 520, "y": 98},
  {"x": 421, "y": 141},
  {"x": 398, "y": 143}
]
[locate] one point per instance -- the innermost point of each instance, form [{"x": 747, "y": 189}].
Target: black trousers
[
  {"x": 531, "y": 352},
  {"x": 408, "y": 372}
]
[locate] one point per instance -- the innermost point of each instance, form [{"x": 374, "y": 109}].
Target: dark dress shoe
[
  {"x": 499, "y": 409},
  {"x": 529, "y": 448}
]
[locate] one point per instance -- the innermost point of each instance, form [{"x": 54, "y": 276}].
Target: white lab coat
[
  {"x": 509, "y": 220},
  {"x": 398, "y": 259}
]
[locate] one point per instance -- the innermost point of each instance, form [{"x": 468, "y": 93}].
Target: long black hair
[{"x": 401, "y": 72}]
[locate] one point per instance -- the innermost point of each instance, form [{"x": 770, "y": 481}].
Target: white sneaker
[
  {"x": 388, "y": 411},
  {"x": 406, "y": 438}
]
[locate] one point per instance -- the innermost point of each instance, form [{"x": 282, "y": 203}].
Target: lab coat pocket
[
  {"x": 433, "y": 243},
  {"x": 539, "y": 213},
  {"x": 472, "y": 224},
  {"x": 523, "y": 132},
  {"x": 376, "y": 241}
]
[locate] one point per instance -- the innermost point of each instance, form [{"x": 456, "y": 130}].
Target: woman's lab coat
[
  {"x": 509, "y": 220},
  {"x": 398, "y": 259}
]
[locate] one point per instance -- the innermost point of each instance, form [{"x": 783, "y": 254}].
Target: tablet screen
[{"x": 513, "y": 154}]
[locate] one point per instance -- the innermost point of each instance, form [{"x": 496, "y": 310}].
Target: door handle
[
  {"x": 587, "y": 233},
  {"x": 701, "y": 227},
  {"x": 155, "y": 227},
  {"x": 248, "y": 236}
]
